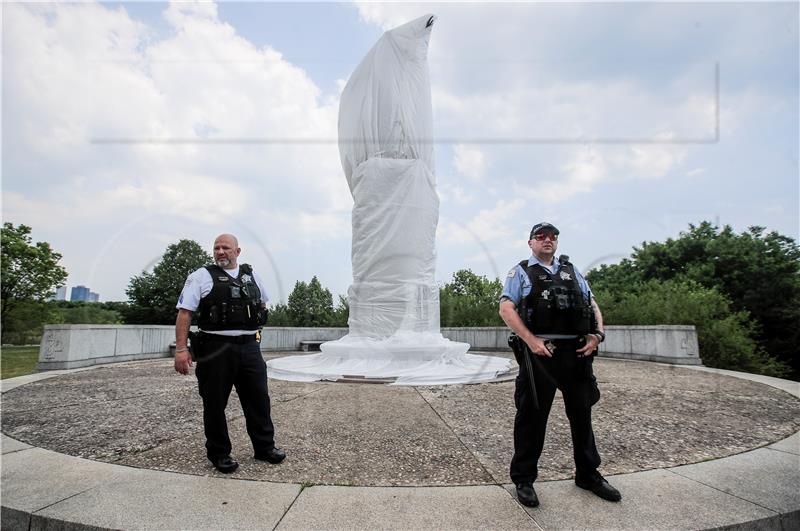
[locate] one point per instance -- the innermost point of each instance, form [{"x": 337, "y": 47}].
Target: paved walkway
[{"x": 354, "y": 471}]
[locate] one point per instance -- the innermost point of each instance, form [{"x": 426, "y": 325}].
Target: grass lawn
[{"x": 18, "y": 361}]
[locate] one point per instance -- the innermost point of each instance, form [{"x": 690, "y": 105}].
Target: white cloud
[
  {"x": 487, "y": 227},
  {"x": 455, "y": 193},
  {"x": 79, "y": 75},
  {"x": 556, "y": 80},
  {"x": 520, "y": 94},
  {"x": 389, "y": 15},
  {"x": 470, "y": 162},
  {"x": 652, "y": 162},
  {"x": 696, "y": 172}
]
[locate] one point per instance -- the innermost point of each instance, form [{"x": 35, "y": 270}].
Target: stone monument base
[{"x": 402, "y": 359}]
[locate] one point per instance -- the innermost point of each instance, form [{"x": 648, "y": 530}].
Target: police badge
[{"x": 565, "y": 276}]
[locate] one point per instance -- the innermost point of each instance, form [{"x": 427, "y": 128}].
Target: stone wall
[
  {"x": 73, "y": 346},
  {"x": 665, "y": 343}
]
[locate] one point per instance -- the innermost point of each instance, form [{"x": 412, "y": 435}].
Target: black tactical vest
[
  {"x": 232, "y": 303},
  {"x": 555, "y": 304}
]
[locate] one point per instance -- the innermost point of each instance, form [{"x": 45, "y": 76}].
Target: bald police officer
[
  {"x": 231, "y": 304},
  {"x": 548, "y": 304}
]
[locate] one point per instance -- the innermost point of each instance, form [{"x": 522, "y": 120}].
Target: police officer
[
  {"x": 231, "y": 304},
  {"x": 548, "y": 305}
]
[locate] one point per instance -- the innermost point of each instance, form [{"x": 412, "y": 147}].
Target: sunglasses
[{"x": 542, "y": 236}]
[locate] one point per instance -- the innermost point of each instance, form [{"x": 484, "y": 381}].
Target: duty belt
[{"x": 247, "y": 338}]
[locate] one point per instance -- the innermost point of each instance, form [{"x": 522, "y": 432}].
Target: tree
[
  {"x": 758, "y": 272},
  {"x": 310, "y": 304},
  {"x": 470, "y": 300},
  {"x": 153, "y": 295},
  {"x": 30, "y": 273},
  {"x": 24, "y": 323},
  {"x": 79, "y": 312},
  {"x": 341, "y": 313},
  {"x": 279, "y": 315}
]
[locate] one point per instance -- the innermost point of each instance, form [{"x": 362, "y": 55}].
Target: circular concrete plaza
[{"x": 145, "y": 415}]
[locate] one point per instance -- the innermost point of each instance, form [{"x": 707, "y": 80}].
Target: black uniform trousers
[
  {"x": 574, "y": 377},
  {"x": 222, "y": 365}
]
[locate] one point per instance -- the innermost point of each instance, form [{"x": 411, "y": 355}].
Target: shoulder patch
[{"x": 512, "y": 273}]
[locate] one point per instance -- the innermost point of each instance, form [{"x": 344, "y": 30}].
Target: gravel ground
[{"x": 145, "y": 415}]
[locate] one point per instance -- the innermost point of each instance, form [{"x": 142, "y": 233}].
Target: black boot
[
  {"x": 526, "y": 495},
  {"x": 598, "y": 484}
]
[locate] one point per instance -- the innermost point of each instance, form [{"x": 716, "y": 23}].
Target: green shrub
[{"x": 725, "y": 337}]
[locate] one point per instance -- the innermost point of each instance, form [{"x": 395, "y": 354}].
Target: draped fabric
[{"x": 386, "y": 149}]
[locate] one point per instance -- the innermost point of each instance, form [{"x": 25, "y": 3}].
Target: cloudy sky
[{"x": 129, "y": 126}]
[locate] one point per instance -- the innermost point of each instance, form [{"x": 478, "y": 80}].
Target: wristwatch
[{"x": 600, "y": 334}]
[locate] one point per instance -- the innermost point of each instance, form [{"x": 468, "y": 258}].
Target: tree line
[{"x": 741, "y": 291}]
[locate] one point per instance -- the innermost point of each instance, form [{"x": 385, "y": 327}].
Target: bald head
[{"x": 226, "y": 251}]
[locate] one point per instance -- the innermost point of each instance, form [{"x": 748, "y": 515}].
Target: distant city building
[
  {"x": 61, "y": 294},
  {"x": 82, "y": 293},
  {"x": 79, "y": 293}
]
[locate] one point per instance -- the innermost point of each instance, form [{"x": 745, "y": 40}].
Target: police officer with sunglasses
[{"x": 557, "y": 326}]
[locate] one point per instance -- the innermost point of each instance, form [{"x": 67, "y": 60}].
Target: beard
[{"x": 223, "y": 262}]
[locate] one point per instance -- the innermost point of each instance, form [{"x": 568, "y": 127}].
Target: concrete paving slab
[
  {"x": 99, "y": 386},
  {"x": 145, "y": 415},
  {"x": 790, "y": 444},
  {"x": 789, "y": 386},
  {"x": 656, "y": 499},
  {"x": 769, "y": 478},
  {"x": 481, "y": 507},
  {"x": 13, "y": 519},
  {"x": 108, "y": 430},
  {"x": 367, "y": 435},
  {"x": 159, "y": 500},
  {"x": 12, "y": 383},
  {"x": 8, "y": 445},
  {"x": 35, "y": 478}
]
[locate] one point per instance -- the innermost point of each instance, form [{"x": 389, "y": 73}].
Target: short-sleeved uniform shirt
[
  {"x": 518, "y": 284},
  {"x": 199, "y": 284}
]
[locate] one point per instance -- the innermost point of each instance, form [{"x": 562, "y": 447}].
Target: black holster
[
  {"x": 522, "y": 354},
  {"x": 194, "y": 343}
]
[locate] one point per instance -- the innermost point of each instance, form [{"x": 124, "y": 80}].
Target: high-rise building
[
  {"x": 60, "y": 295},
  {"x": 94, "y": 297},
  {"x": 79, "y": 293}
]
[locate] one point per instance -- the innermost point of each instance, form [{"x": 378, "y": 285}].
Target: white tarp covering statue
[{"x": 386, "y": 148}]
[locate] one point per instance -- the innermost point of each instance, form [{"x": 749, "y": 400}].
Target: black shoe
[
  {"x": 598, "y": 484},
  {"x": 274, "y": 456},
  {"x": 526, "y": 495},
  {"x": 224, "y": 464}
]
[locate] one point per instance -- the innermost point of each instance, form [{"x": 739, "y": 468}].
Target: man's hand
[
  {"x": 591, "y": 343},
  {"x": 183, "y": 361},
  {"x": 508, "y": 312},
  {"x": 537, "y": 346}
]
